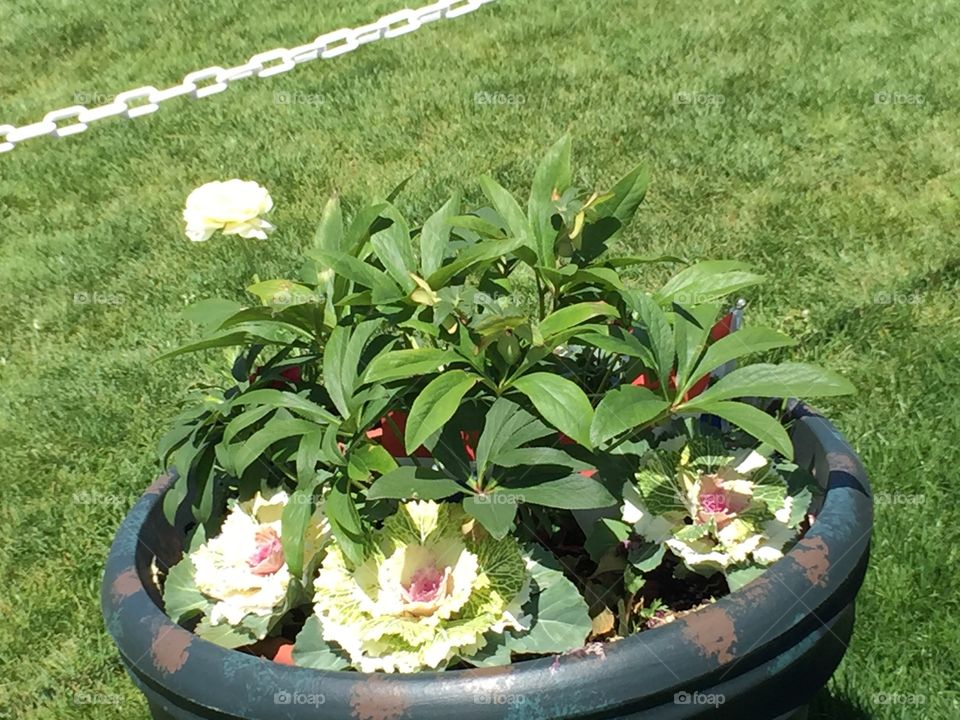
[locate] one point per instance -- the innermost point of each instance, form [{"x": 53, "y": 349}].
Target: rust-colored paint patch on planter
[
  {"x": 813, "y": 555},
  {"x": 713, "y": 632},
  {"x": 756, "y": 593},
  {"x": 124, "y": 585},
  {"x": 170, "y": 649},
  {"x": 377, "y": 699},
  {"x": 158, "y": 485},
  {"x": 843, "y": 461}
]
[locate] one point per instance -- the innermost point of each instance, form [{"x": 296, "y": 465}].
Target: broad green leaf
[
  {"x": 561, "y": 618},
  {"x": 435, "y": 405},
  {"x": 293, "y": 525},
  {"x": 414, "y": 482},
  {"x": 341, "y": 359},
  {"x": 626, "y": 196},
  {"x": 181, "y": 598},
  {"x": 218, "y": 340},
  {"x": 359, "y": 272},
  {"x": 312, "y": 651},
  {"x": 244, "y": 420},
  {"x": 481, "y": 227},
  {"x": 359, "y": 229},
  {"x": 561, "y": 402},
  {"x": 707, "y": 282},
  {"x": 211, "y": 312},
  {"x": 777, "y": 381},
  {"x": 619, "y": 342},
  {"x": 659, "y": 331},
  {"x": 535, "y": 456},
  {"x": 246, "y": 452},
  {"x": 568, "y": 317},
  {"x": 691, "y": 326},
  {"x": 509, "y": 209},
  {"x": 483, "y": 251},
  {"x": 435, "y": 236},
  {"x": 746, "y": 341},
  {"x": 550, "y": 182},
  {"x": 646, "y": 557},
  {"x": 309, "y": 453},
  {"x": 574, "y": 492},
  {"x": 285, "y": 399},
  {"x": 737, "y": 577},
  {"x": 752, "y": 421},
  {"x": 329, "y": 235},
  {"x": 605, "y": 534},
  {"x": 507, "y": 426},
  {"x": 399, "y": 364},
  {"x": 394, "y": 248},
  {"x": 345, "y": 523},
  {"x": 624, "y": 408},
  {"x": 224, "y": 635},
  {"x": 282, "y": 293},
  {"x": 367, "y": 459},
  {"x": 496, "y": 514}
]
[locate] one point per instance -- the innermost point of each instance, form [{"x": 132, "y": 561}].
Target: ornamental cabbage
[
  {"x": 239, "y": 580},
  {"x": 714, "y": 510},
  {"x": 431, "y": 587}
]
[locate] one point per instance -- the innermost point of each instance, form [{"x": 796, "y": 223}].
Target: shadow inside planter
[{"x": 831, "y": 705}]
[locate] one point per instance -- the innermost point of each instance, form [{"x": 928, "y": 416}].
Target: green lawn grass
[{"x": 768, "y": 141}]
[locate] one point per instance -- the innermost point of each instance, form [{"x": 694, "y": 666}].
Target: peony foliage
[{"x": 454, "y": 405}]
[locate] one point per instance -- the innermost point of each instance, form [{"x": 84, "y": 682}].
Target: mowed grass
[{"x": 769, "y": 143}]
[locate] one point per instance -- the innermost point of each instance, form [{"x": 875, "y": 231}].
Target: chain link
[{"x": 212, "y": 80}]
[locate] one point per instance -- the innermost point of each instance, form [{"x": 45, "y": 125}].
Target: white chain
[{"x": 212, "y": 80}]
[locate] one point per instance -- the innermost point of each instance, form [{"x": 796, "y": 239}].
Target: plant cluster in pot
[{"x": 473, "y": 468}]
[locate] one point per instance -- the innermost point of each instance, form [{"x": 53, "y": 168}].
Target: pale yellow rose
[{"x": 234, "y": 207}]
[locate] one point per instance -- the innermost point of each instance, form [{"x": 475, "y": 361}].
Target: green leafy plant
[{"x": 497, "y": 361}]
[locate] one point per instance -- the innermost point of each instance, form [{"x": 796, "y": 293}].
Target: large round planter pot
[{"x": 761, "y": 652}]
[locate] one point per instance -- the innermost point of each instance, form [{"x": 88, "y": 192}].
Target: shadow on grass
[{"x": 832, "y": 705}]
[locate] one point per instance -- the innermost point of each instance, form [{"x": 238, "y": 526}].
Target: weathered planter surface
[{"x": 760, "y": 653}]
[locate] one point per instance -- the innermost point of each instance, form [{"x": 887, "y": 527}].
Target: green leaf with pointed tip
[
  {"x": 329, "y": 235},
  {"x": 606, "y": 534},
  {"x": 495, "y": 514},
  {"x": 293, "y": 525},
  {"x": 312, "y": 651},
  {"x": 659, "y": 331},
  {"x": 551, "y": 180},
  {"x": 777, "y": 381},
  {"x": 573, "y": 315},
  {"x": 399, "y": 364},
  {"x": 435, "y": 236},
  {"x": 474, "y": 255},
  {"x": 624, "y": 408},
  {"x": 561, "y": 402},
  {"x": 507, "y": 426},
  {"x": 626, "y": 196},
  {"x": 752, "y": 421},
  {"x": 574, "y": 492},
  {"x": 282, "y": 293},
  {"x": 745, "y": 341},
  {"x": 362, "y": 273},
  {"x": 509, "y": 209},
  {"x": 414, "y": 482},
  {"x": 435, "y": 405},
  {"x": 707, "y": 282},
  {"x": 394, "y": 248}
]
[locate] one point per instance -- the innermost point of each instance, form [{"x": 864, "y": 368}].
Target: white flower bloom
[
  {"x": 234, "y": 207},
  {"x": 242, "y": 570}
]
